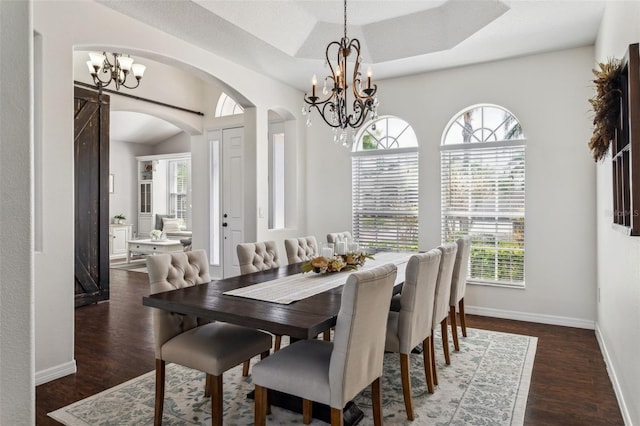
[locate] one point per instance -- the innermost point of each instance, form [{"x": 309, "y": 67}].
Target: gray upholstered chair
[
  {"x": 334, "y": 237},
  {"x": 213, "y": 347},
  {"x": 301, "y": 249},
  {"x": 458, "y": 288},
  {"x": 441, "y": 302},
  {"x": 256, "y": 257},
  {"x": 412, "y": 325},
  {"x": 332, "y": 373}
]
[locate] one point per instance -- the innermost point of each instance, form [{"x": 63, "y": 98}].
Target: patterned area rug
[{"x": 487, "y": 383}]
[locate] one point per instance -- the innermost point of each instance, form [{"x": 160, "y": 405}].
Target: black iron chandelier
[
  {"x": 117, "y": 70},
  {"x": 336, "y": 109}
]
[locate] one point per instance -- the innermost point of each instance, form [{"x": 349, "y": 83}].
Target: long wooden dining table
[{"x": 302, "y": 319}]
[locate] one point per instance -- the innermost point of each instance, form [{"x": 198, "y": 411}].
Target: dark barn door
[{"x": 91, "y": 162}]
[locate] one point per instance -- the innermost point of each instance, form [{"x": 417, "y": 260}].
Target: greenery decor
[
  {"x": 336, "y": 263},
  {"x": 120, "y": 216},
  {"x": 606, "y": 106}
]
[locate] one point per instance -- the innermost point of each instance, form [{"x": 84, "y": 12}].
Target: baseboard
[
  {"x": 56, "y": 372},
  {"x": 529, "y": 317},
  {"x": 614, "y": 378}
]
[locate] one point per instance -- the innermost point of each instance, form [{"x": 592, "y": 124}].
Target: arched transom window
[
  {"x": 227, "y": 106},
  {"x": 385, "y": 185},
  {"x": 483, "y": 192}
]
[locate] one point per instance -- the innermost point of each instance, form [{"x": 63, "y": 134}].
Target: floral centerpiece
[
  {"x": 156, "y": 234},
  {"x": 336, "y": 263}
]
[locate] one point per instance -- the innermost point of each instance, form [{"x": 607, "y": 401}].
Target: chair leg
[
  {"x": 245, "y": 368},
  {"x": 276, "y": 346},
  {"x": 454, "y": 327},
  {"x": 260, "y": 408},
  {"x": 160, "y": 376},
  {"x": 406, "y": 384},
  {"x": 207, "y": 385},
  {"x": 264, "y": 354},
  {"x": 426, "y": 356},
  {"x": 216, "y": 400},
  {"x": 336, "y": 417},
  {"x": 445, "y": 341},
  {"x": 307, "y": 411},
  {"x": 432, "y": 349},
  {"x": 463, "y": 322},
  {"x": 326, "y": 335},
  {"x": 376, "y": 399}
]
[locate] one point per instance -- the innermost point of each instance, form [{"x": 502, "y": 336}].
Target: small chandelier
[
  {"x": 335, "y": 109},
  {"x": 115, "y": 71}
]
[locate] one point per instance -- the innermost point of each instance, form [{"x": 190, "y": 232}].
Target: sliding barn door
[{"x": 91, "y": 169}]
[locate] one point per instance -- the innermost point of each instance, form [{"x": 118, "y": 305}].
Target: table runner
[{"x": 289, "y": 289}]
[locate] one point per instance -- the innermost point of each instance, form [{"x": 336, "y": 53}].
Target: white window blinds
[
  {"x": 179, "y": 172},
  {"x": 385, "y": 199},
  {"x": 483, "y": 195}
]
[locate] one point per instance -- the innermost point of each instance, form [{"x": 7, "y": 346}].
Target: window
[
  {"x": 178, "y": 189},
  {"x": 227, "y": 106},
  {"x": 385, "y": 186},
  {"x": 483, "y": 192},
  {"x": 276, "y": 176}
]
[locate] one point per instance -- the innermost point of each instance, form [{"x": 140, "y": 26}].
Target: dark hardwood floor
[{"x": 114, "y": 343}]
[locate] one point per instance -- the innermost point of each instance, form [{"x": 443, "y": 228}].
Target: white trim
[
  {"x": 52, "y": 373},
  {"x": 531, "y": 317},
  {"x": 613, "y": 377}
]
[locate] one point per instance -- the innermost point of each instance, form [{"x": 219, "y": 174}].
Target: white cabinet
[{"x": 118, "y": 237}]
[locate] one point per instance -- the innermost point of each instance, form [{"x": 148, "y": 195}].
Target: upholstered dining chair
[
  {"x": 332, "y": 373},
  {"x": 441, "y": 302},
  {"x": 256, "y": 257},
  {"x": 412, "y": 324},
  {"x": 301, "y": 249},
  {"x": 213, "y": 347},
  {"x": 458, "y": 288},
  {"x": 334, "y": 237}
]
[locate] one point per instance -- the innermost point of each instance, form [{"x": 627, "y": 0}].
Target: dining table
[{"x": 239, "y": 300}]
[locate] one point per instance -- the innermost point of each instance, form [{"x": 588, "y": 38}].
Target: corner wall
[{"x": 618, "y": 319}]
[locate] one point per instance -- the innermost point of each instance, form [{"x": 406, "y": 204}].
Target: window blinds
[
  {"x": 385, "y": 199},
  {"x": 483, "y": 195}
]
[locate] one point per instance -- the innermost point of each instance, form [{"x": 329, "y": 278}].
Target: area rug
[
  {"x": 134, "y": 266},
  {"x": 487, "y": 383}
]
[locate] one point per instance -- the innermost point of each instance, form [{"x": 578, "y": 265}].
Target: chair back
[
  {"x": 443, "y": 285},
  {"x": 256, "y": 257},
  {"x": 170, "y": 272},
  {"x": 417, "y": 299},
  {"x": 301, "y": 249},
  {"x": 334, "y": 237},
  {"x": 358, "y": 346},
  {"x": 460, "y": 269}
]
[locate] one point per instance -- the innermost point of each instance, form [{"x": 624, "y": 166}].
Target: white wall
[
  {"x": 618, "y": 266},
  {"x": 63, "y": 26},
  {"x": 17, "y": 392},
  {"x": 548, "y": 93}
]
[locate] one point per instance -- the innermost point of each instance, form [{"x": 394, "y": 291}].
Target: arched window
[
  {"x": 227, "y": 106},
  {"x": 385, "y": 185},
  {"x": 483, "y": 191}
]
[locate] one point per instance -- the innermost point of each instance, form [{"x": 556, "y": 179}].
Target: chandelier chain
[{"x": 345, "y": 18}]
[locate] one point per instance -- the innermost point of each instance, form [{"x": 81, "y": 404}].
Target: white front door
[{"x": 232, "y": 198}]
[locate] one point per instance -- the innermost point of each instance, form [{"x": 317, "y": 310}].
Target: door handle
[
  {"x": 224, "y": 223},
  {"x": 225, "y": 215}
]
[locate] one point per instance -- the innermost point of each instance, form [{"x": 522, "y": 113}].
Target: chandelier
[
  {"x": 336, "y": 109},
  {"x": 117, "y": 70}
]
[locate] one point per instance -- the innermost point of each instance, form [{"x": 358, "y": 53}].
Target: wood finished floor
[{"x": 114, "y": 343}]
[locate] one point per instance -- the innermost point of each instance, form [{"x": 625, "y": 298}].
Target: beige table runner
[{"x": 300, "y": 286}]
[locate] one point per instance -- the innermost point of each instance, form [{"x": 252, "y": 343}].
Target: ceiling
[
  {"x": 137, "y": 127},
  {"x": 286, "y": 39}
]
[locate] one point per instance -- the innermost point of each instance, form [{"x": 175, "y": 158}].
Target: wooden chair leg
[
  {"x": 376, "y": 399},
  {"x": 216, "y": 400},
  {"x": 264, "y": 354},
  {"x": 336, "y": 417},
  {"x": 463, "y": 322},
  {"x": 406, "y": 384},
  {"x": 307, "y": 411},
  {"x": 426, "y": 356},
  {"x": 454, "y": 327},
  {"x": 160, "y": 376},
  {"x": 245, "y": 368},
  {"x": 432, "y": 348},
  {"x": 445, "y": 341},
  {"x": 260, "y": 407},
  {"x": 207, "y": 385},
  {"x": 276, "y": 345},
  {"x": 326, "y": 335}
]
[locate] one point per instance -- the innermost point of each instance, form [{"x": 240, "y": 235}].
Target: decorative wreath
[{"x": 606, "y": 107}]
